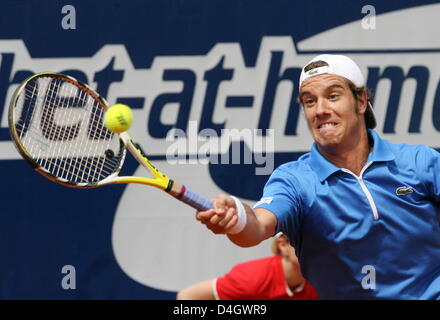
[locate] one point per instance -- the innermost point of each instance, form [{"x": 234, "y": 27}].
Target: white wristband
[{"x": 241, "y": 215}]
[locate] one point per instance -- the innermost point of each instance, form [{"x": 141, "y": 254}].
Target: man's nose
[{"x": 322, "y": 107}]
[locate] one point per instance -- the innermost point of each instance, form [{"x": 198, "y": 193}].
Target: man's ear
[
  {"x": 281, "y": 241},
  {"x": 282, "y": 244},
  {"x": 362, "y": 102}
]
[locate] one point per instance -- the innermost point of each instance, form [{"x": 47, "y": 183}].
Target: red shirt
[{"x": 261, "y": 279}]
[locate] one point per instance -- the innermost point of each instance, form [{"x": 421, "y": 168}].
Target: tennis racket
[{"x": 56, "y": 124}]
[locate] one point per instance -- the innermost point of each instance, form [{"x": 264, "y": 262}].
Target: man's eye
[
  {"x": 334, "y": 96},
  {"x": 309, "y": 101}
]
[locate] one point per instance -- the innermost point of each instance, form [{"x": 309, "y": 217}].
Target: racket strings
[
  {"x": 69, "y": 167},
  {"x": 95, "y": 122},
  {"x": 56, "y": 89},
  {"x": 48, "y": 120},
  {"x": 69, "y": 160},
  {"x": 110, "y": 167},
  {"x": 26, "y": 117},
  {"x": 76, "y": 170},
  {"x": 48, "y": 126},
  {"x": 56, "y": 155}
]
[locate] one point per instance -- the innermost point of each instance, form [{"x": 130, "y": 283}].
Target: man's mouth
[{"x": 327, "y": 125}]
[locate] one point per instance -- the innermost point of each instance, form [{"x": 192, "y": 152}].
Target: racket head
[{"x": 56, "y": 124}]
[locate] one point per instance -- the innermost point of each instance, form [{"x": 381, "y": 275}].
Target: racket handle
[{"x": 195, "y": 200}]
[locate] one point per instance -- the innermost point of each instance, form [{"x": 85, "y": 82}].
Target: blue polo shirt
[{"x": 376, "y": 235}]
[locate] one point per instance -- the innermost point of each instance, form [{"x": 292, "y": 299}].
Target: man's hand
[
  {"x": 243, "y": 226},
  {"x": 222, "y": 218}
]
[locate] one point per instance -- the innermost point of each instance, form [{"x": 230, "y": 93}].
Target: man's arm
[
  {"x": 260, "y": 223},
  {"x": 198, "y": 291}
]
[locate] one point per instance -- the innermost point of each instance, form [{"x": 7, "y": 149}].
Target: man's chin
[
  {"x": 326, "y": 139},
  {"x": 328, "y": 144}
]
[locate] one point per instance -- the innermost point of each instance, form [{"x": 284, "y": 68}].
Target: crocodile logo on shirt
[{"x": 401, "y": 191}]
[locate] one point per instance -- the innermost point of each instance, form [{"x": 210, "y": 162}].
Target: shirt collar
[
  {"x": 324, "y": 168},
  {"x": 381, "y": 149}
]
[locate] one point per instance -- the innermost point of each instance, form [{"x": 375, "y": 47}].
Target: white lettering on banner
[{"x": 220, "y": 92}]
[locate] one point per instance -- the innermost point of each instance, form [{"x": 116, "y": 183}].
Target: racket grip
[{"x": 196, "y": 201}]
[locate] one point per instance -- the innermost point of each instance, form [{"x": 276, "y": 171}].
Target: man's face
[{"x": 333, "y": 114}]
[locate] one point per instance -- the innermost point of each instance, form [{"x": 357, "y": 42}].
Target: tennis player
[
  {"x": 277, "y": 277},
  {"x": 362, "y": 213}
]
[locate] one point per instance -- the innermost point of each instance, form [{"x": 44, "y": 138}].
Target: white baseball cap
[{"x": 341, "y": 66}]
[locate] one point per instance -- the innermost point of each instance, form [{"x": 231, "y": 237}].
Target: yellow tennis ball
[{"x": 118, "y": 118}]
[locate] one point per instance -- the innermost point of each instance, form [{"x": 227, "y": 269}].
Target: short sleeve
[
  {"x": 281, "y": 196},
  {"x": 428, "y": 162}
]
